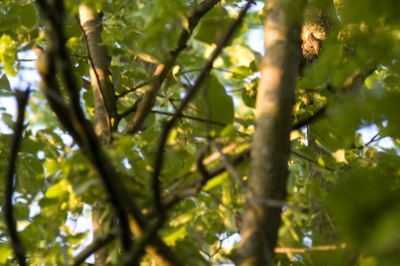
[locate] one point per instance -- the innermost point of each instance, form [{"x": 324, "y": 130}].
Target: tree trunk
[{"x": 271, "y": 144}]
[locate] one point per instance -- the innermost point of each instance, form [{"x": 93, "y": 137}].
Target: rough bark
[
  {"x": 105, "y": 112},
  {"x": 104, "y": 99},
  {"x": 270, "y": 152}
]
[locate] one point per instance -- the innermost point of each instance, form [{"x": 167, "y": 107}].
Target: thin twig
[
  {"x": 189, "y": 117},
  {"x": 194, "y": 188},
  {"x": 122, "y": 94},
  {"x": 311, "y": 161},
  {"x": 169, "y": 125},
  {"x": 230, "y": 167},
  {"x": 19, "y": 250}
]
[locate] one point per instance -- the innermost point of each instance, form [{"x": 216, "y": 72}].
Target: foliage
[{"x": 55, "y": 185}]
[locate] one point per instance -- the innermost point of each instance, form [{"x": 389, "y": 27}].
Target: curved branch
[
  {"x": 19, "y": 250},
  {"x": 93, "y": 247}
]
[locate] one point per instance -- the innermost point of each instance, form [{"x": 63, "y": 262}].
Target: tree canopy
[{"x": 161, "y": 126}]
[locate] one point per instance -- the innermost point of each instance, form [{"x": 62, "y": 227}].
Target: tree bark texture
[
  {"x": 105, "y": 112},
  {"x": 104, "y": 100},
  {"x": 271, "y": 144}
]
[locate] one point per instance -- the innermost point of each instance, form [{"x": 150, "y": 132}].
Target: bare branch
[
  {"x": 19, "y": 250},
  {"x": 189, "y": 117}
]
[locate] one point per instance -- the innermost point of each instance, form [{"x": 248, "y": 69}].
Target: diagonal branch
[
  {"x": 163, "y": 69},
  {"x": 88, "y": 141},
  {"x": 93, "y": 247},
  {"x": 169, "y": 125},
  {"x": 190, "y": 190},
  {"x": 90, "y": 145},
  {"x": 19, "y": 250}
]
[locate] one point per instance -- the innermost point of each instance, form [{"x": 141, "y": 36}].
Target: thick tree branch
[
  {"x": 104, "y": 99},
  {"x": 19, "y": 250},
  {"x": 163, "y": 69},
  {"x": 271, "y": 143}
]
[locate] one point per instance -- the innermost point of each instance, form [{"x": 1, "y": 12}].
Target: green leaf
[
  {"x": 28, "y": 15},
  {"x": 249, "y": 93},
  {"x": 8, "y": 54},
  {"x": 214, "y": 25},
  {"x": 5, "y": 252},
  {"x": 8, "y": 120},
  {"x": 30, "y": 174},
  {"x": 22, "y": 211},
  {"x": 174, "y": 235},
  {"x": 215, "y": 182},
  {"x": 55, "y": 195},
  {"x": 9, "y": 21},
  {"x": 4, "y": 84}
]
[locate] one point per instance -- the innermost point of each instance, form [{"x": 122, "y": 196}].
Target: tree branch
[
  {"x": 19, "y": 250},
  {"x": 169, "y": 125},
  {"x": 89, "y": 143},
  {"x": 93, "y": 247},
  {"x": 104, "y": 99},
  {"x": 271, "y": 140},
  {"x": 163, "y": 69},
  {"x": 194, "y": 188}
]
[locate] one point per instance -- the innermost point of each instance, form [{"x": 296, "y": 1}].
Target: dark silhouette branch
[
  {"x": 19, "y": 250},
  {"x": 311, "y": 119},
  {"x": 88, "y": 140},
  {"x": 195, "y": 187},
  {"x": 312, "y": 161},
  {"x": 94, "y": 246},
  {"x": 122, "y": 94},
  {"x": 192, "y": 189},
  {"x": 190, "y": 117},
  {"x": 169, "y": 125},
  {"x": 85, "y": 137},
  {"x": 137, "y": 250}
]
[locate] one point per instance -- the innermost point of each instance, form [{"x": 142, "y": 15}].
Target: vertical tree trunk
[
  {"x": 105, "y": 112},
  {"x": 270, "y": 152}
]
